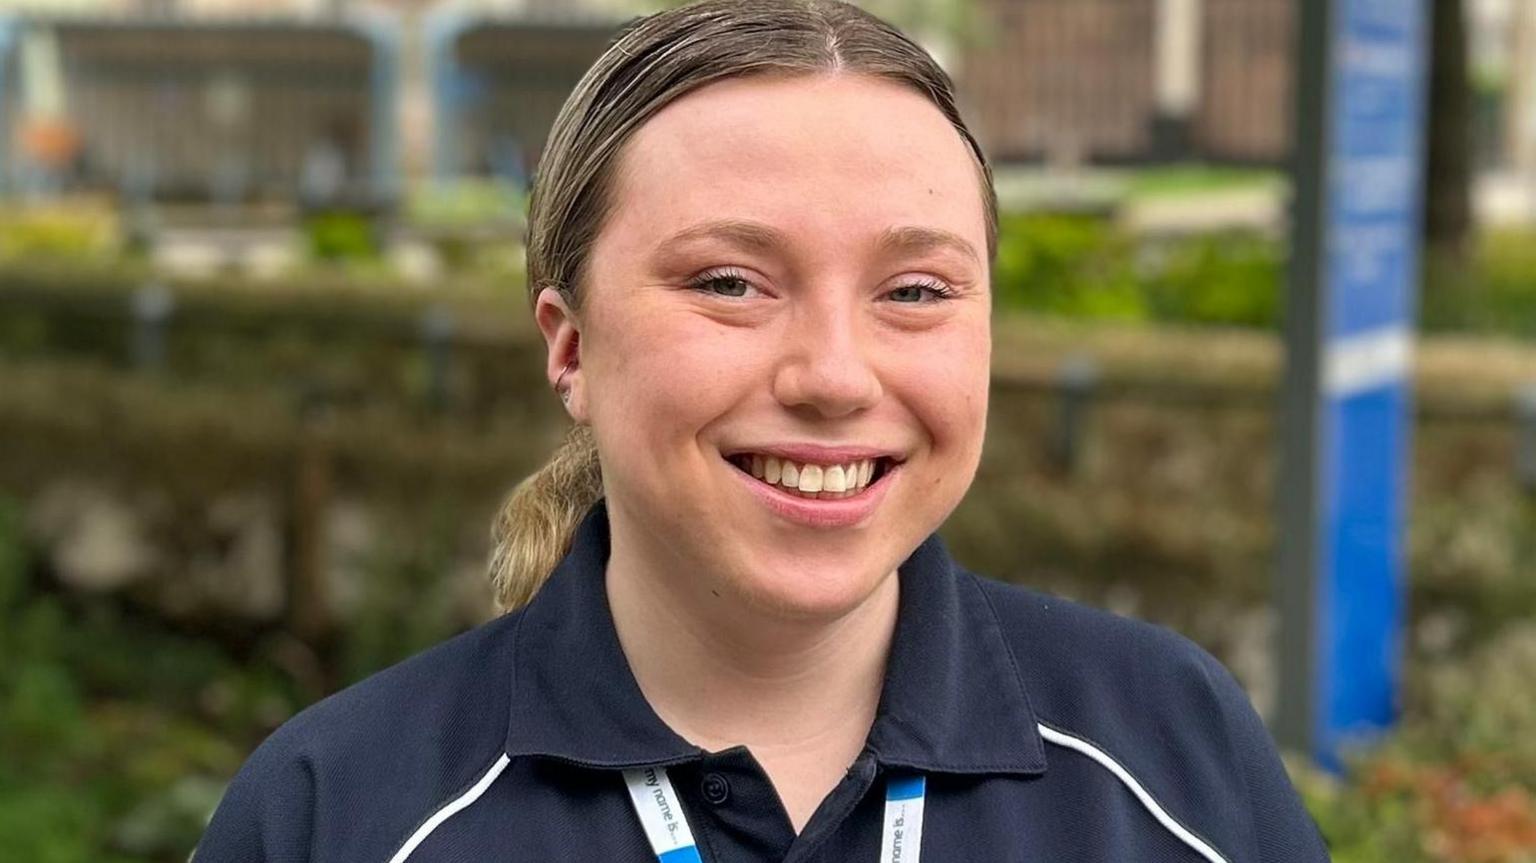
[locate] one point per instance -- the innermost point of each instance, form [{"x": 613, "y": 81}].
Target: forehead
[{"x": 830, "y": 159}]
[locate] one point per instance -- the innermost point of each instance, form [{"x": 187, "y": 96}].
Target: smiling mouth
[{"x": 814, "y": 481}]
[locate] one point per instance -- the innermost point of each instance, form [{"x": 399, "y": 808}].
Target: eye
[
  {"x": 723, "y": 283},
  {"x": 926, "y": 291}
]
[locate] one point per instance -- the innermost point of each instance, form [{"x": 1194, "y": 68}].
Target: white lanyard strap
[{"x": 661, "y": 815}]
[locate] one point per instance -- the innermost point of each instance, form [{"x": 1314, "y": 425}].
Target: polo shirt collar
[{"x": 953, "y": 702}]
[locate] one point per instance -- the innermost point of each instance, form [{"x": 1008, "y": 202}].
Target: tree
[{"x": 1448, "y": 218}]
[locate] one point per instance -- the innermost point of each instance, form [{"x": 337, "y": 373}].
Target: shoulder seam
[
  {"x": 1108, "y": 762},
  {"x": 451, "y": 808}
]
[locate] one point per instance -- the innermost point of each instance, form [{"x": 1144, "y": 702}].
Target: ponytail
[{"x": 533, "y": 531}]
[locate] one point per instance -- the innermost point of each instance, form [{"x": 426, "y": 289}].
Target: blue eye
[
  {"x": 920, "y": 292},
  {"x": 722, "y": 284},
  {"x": 727, "y": 286}
]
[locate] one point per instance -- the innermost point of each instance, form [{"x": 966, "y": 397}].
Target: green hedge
[
  {"x": 1084, "y": 267},
  {"x": 355, "y": 341}
]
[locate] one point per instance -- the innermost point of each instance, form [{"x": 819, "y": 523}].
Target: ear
[{"x": 562, "y": 336}]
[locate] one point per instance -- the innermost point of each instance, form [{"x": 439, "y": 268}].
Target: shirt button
[{"x": 716, "y": 789}]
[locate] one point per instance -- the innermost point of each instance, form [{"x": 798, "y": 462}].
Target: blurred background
[{"x": 266, "y": 370}]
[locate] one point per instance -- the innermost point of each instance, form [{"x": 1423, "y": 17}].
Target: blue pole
[{"x": 1349, "y": 336}]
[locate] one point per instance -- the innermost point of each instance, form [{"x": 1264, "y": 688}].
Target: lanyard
[
  {"x": 902, "y": 841},
  {"x": 666, "y": 827}
]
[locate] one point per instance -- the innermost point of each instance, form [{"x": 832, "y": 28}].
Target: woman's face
[{"x": 790, "y": 293}]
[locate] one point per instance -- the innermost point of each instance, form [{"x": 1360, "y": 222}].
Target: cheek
[
  {"x": 664, "y": 376},
  {"x": 944, "y": 379}
]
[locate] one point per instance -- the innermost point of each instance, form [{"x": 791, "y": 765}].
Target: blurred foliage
[
  {"x": 466, "y": 204},
  {"x": 1457, "y": 782},
  {"x": 118, "y": 734},
  {"x": 335, "y": 336},
  {"x": 115, "y": 738},
  {"x": 1069, "y": 265},
  {"x": 1083, "y": 266},
  {"x": 474, "y": 226},
  {"x": 71, "y": 230},
  {"x": 404, "y": 608},
  {"x": 1210, "y": 279},
  {"x": 340, "y": 235},
  {"x": 1494, "y": 293},
  {"x": 1195, "y": 179}
]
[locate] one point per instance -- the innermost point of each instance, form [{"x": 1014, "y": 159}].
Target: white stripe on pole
[{"x": 1367, "y": 360}]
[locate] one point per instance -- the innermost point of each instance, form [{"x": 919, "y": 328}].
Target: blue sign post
[{"x": 1349, "y": 337}]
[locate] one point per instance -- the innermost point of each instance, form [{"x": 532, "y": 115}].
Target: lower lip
[{"x": 833, "y": 513}]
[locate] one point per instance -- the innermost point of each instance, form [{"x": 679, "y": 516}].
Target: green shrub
[
  {"x": 403, "y": 607},
  {"x": 1071, "y": 265},
  {"x": 1457, "y": 782},
  {"x": 465, "y": 204},
  {"x": 108, "y": 753},
  {"x": 341, "y": 236},
  {"x": 1083, "y": 266},
  {"x": 1494, "y": 292},
  {"x": 1231, "y": 278},
  {"x": 69, "y": 232}
]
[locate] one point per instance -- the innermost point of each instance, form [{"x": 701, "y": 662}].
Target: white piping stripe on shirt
[
  {"x": 1077, "y": 744},
  {"x": 450, "y": 809}
]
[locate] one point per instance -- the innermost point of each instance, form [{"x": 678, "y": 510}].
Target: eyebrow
[
  {"x": 916, "y": 240},
  {"x": 752, "y": 235},
  {"x": 757, "y": 236}
]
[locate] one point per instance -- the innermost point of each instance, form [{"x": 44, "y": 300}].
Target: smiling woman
[{"x": 758, "y": 251}]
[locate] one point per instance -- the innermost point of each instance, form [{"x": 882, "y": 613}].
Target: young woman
[{"x": 759, "y": 252}]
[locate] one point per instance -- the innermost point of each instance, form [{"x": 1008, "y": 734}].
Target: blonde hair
[{"x": 651, "y": 63}]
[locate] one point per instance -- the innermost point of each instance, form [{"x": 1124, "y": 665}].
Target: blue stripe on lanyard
[
  {"x": 902, "y": 840},
  {"x": 905, "y": 787},
  {"x": 666, "y": 827}
]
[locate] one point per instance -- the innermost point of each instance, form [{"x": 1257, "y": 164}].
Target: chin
[{"x": 813, "y": 589}]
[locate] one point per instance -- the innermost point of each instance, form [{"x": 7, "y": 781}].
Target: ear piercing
[{"x": 560, "y": 387}]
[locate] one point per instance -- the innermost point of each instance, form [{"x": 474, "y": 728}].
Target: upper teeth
[{"x": 811, "y": 478}]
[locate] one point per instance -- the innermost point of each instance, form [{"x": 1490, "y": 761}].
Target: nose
[{"x": 827, "y": 364}]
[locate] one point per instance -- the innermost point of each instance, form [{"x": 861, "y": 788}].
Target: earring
[{"x": 560, "y": 387}]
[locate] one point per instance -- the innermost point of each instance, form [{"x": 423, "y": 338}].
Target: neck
[{"x": 728, "y": 673}]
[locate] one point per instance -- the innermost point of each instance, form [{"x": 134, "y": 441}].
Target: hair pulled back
[{"x": 651, "y": 63}]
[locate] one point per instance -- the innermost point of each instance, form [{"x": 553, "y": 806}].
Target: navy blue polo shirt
[{"x": 1047, "y": 731}]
